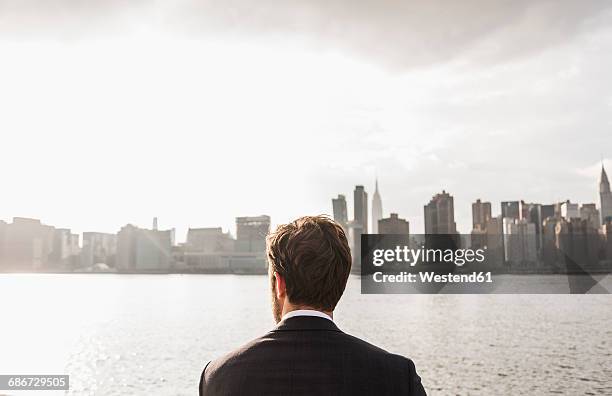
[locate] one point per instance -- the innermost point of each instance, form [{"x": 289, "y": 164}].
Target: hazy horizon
[{"x": 115, "y": 112}]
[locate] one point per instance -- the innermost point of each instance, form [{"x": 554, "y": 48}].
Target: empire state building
[{"x": 376, "y": 209}]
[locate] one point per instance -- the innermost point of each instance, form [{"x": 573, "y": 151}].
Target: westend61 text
[{"x": 432, "y": 277}]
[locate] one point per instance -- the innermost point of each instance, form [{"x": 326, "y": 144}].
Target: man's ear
[{"x": 281, "y": 287}]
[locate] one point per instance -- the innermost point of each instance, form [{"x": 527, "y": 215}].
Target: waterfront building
[
  {"x": 208, "y": 249},
  {"x": 251, "y": 232},
  {"x": 140, "y": 249},
  {"x": 532, "y": 213},
  {"x": 578, "y": 244},
  {"x": 590, "y": 214},
  {"x": 495, "y": 242},
  {"x": 98, "y": 248},
  {"x": 64, "y": 250},
  {"x": 520, "y": 247},
  {"x": 27, "y": 245}
]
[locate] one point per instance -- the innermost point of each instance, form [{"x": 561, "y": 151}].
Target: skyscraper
[
  {"x": 340, "y": 212},
  {"x": 578, "y": 243},
  {"x": 532, "y": 212},
  {"x": 440, "y": 215},
  {"x": 520, "y": 243},
  {"x": 590, "y": 213},
  {"x": 360, "y": 197},
  {"x": 510, "y": 209},
  {"x": 481, "y": 214},
  {"x": 605, "y": 195},
  {"x": 377, "y": 211}
]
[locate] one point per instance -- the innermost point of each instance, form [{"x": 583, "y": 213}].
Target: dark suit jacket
[{"x": 306, "y": 355}]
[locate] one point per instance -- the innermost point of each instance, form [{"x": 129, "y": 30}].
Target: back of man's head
[{"x": 313, "y": 257}]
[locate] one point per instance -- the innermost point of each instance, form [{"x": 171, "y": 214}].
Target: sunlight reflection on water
[{"x": 133, "y": 334}]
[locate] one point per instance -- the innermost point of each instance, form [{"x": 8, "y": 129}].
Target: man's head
[{"x": 309, "y": 262}]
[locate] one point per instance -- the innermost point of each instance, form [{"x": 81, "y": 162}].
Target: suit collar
[{"x": 306, "y": 323}]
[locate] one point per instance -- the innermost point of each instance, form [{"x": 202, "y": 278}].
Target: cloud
[
  {"x": 594, "y": 170},
  {"x": 399, "y": 34}
]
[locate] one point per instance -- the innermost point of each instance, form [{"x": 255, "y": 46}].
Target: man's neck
[{"x": 288, "y": 308}]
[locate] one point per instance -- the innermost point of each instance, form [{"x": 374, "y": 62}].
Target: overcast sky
[{"x": 199, "y": 111}]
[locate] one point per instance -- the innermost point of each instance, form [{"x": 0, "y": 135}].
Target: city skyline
[
  {"x": 135, "y": 115},
  {"x": 348, "y": 207},
  {"x": 528, "y": 230}
]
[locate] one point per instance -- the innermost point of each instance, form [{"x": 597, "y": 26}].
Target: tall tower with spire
[
  {"x": 377, "y": 211},
  {"x": 605, "y": 195}
]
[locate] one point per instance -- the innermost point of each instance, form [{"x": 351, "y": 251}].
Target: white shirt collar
[{"x": 306, "y": 312}]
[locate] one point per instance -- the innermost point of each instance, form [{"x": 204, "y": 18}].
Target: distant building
[
  {"x": 207, "y": 249},
  {"x": 570, "y": 210},
  {"x": 250, "y": 255},
  {"x": 607, "y": 243},
  {"x": 440, "y": 215},
  {"x": 520, "y": 243},
  {"x": 549, "y": 252},
  {"x": 65, "y": 249},
  {"x": 209, "y": 240},
  {"x": 27, "y": 245},
  {"x": 140, "y": 249},
  {"x": 532, "y": 212},
  {"x": 355, "y": 230},
  {"x": 495, "y": 242},
  {"x": 340, "y": 212},
  {"x": 3, "y": 229},
  {"x": 511, "y": 210},
  {"x": 590, "y": 214},
  {"x": 393, "y": 225},
  {"x": 478, "y": 238},
  {"x": 251, "y": 233},
  {"x": 578, "y": 244},
  {"x": 360, "y": 197},
  {"x": 481, "y": 214},
  {"x": 377, "y": 210},
  {"x": 547, "y": 211},
  {"x": 605, "y": 196},
  {"x": 98, "y": 248}
]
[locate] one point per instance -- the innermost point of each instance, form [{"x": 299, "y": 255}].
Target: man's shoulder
[
  {"x": 343, "y": 362},
  {"x": 374, "y": 351},
  {"x": 261, "y": 348},
  {"x": 242, "y": 352}
]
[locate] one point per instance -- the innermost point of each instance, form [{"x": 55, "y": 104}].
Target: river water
[{"x": 152, "y": 334}]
